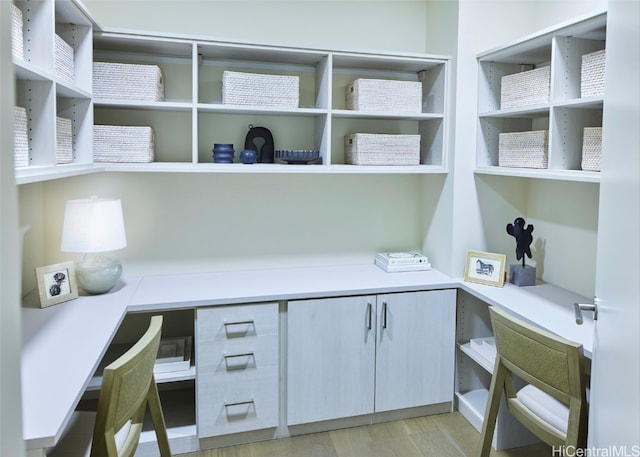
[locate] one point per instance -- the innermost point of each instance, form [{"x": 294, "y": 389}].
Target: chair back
[
  {"x": 550, "y": 363},
  {"x": 127, "y": 386}
]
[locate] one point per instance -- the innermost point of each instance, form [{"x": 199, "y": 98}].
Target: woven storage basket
[
  {"x": 524, "y": 149},
  {"x": 20, "y": 139},
  {"x": 64, "y": 144},
  {"x": 381, "y": 149},
  {"x": 64, "y": 60},
  {"x": 125, "y": 81},
  {"x": 384, "y": 95},
  {"x": 260, "y": 90},
  {"x": 592, "y": 74},
  {"x": 526, "y": 88},
  {"x": 592, "y": 148},
  {"x": 17, "y": 40},
  {"x": 114, "y": 143}
]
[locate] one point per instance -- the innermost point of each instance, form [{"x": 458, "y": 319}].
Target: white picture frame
[
  {"x": 485, "y": 268},
  {"x": 56, "y": 283}
]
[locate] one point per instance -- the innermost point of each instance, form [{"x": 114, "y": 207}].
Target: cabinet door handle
[
  {"x": 384, "y": 314},
  {"x": 369, "y": 318}
]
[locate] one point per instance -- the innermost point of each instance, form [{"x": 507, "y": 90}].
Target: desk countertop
[{"x": 63, "y": 344}]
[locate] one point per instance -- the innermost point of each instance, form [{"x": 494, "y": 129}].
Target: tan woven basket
[
  {"x": 125, "y": 81},
  {"x": 592, "y": 148},
  {"x": 260, "y": 90},
  {"x": 64, "y": 67},
  {"x": 114, "y": 143},
  {"x": 64, "y": 142},
  {"x": 523, "y": 149},
  {"x": 382, "y": 149},
  {"x": 384, "y": 95},
  {"x": 20, "y": 138},
  {"x": 17, "y": 40},
  {"x": 526, "y": 88},
  {"x": 592, "y": 74}
]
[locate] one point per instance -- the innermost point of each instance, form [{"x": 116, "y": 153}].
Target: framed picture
[
  {"x": 485, "y": 268},
  {"x": 56, "y": 283}
]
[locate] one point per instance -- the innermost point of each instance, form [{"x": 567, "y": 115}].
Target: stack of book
[{"x": 402, "y": 261}]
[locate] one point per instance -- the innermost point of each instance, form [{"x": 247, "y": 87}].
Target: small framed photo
[
  {"x": 485, "y": 268},
  {"x": 56, "y": 283}
]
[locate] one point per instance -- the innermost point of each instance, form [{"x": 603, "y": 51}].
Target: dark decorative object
[
  {"x": 260, "y": 140},
  {"x": 223, "y": 153},
  {"x": 522, "y": 275}
]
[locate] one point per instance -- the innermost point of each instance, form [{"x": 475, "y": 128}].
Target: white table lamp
[{"x": 94, "y": 226}]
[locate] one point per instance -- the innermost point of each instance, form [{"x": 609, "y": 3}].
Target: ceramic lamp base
[
  {"x": 522, "y": 275},
  {"x": 97, "y": 273}
]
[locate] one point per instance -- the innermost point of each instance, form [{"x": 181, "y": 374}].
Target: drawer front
[
  {"x": 237, "y": 322},
  {"x": 233, "y": 403},
  {"x": 242, "y": 355}
]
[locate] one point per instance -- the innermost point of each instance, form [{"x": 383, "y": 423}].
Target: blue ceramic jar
[
  {"x": 223, "y": 153},
  {"x": 248, "y": 156}
]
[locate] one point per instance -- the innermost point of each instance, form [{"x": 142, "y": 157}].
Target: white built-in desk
[{"x": 63, "y": 344}]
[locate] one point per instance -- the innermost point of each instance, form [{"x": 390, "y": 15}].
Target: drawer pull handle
[
  {"x": 246, "y": 354},
  {"x": 240, "y": 329},
  {"x": 240, "y": 410},
  {"x": 239, "y": 403},
  {"x": 239, "y": 323},
  {"x": 242, "y": 361}
]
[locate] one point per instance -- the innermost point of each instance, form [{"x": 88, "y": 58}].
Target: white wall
[
  {"x": 190, "y": 222},
  {"x": 331, "y": 24}
]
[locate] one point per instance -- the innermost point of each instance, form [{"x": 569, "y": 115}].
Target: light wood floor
[{"x": 444, "y": 435}]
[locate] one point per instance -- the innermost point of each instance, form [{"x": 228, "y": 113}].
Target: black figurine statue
[{"x": 523, "y": 238}]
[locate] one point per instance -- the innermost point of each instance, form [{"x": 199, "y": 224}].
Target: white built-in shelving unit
[
  {"x": 45, "y": 94},
  {"x": 193, "y": 117},
  {"x": 565, "y": 117},
  {"x": 193, "y": 70},
  {"x": 566, "y": 114}
]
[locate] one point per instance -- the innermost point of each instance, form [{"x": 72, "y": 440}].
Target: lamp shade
[{"x": 93, "y": 225}]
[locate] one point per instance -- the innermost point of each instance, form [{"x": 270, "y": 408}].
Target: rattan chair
[
  {"x": 128, "y": 387},
  {"x": 552, "y": 404}
]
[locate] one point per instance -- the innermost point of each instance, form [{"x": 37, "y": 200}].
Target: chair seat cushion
[{"x": 545, "y": 406}]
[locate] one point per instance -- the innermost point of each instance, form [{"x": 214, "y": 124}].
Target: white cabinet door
[
  {"x": 415, "y": 349},
  {"x": 331, "y": 358}
]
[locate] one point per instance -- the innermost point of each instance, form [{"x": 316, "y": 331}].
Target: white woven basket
[
  {"x": 20, "y": 139},
  {"x": 526, "y": 88},
  {"x": 523, "y": 149},
  {"x": 114, "y": 143},
  {"x": 592, "y": 74},
  {"x": 64, "y": 60},
  {"x": 382, "y": 149},
  {"x": 592, "y": 148},
  {"x": 124, "y": 81},
  {"x": 64, "y": 143},
  {"x": 17, "y": 40},
  {"x": 384, "y": 95},
  {"x": 260, "y": 90}
]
